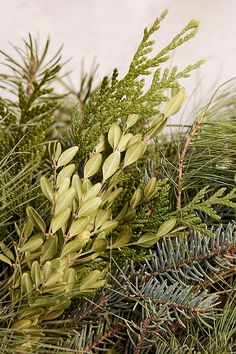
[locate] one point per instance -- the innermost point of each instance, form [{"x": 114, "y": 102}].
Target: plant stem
[{"x": 195, "y": 129}]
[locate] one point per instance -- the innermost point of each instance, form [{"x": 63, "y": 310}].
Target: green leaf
[
  {"x": 89, "y": 207},
  {"x": 90, "y": 280},
  {"x": 67, "y": 156},
  {"x": 175, "y": 103},
  {"x": 102, "y": 217},
  {"x": 131, "y": 120},
  {"x": 71, "y": 247},
  {"x": 147, "y": 240},
  {"x": 109, "y": 225},
  {"x": 134, "y": 153},
  {"x": 93, "y": 165},
  {"x": 114, "y": 135},
  {"x": 65, "y": 172},
  {"x": 124, "y": 142},
  {"x": 5, "y": 259},
  {"x": 36, "y": 219},
  {"x": 33, "y": 243},
  {"x": 166, "y": 227},
  {"x": 64, "y": 200},
  {"x": 99, "y": 245},
  {"x": 92, "y": 192},
  {"x": 49, "y": 248},
  {"x": 46, "y": 188},
  {"x": 78, "y": 226},
  {"x": 111, "y": 165},
  {"x": 7, "y": 251},
  {"x": 60, "y": 220},
  {"x": 123, "y": 238}
]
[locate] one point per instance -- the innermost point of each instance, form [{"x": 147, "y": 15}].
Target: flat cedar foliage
[{"x": 115, "y": 237}]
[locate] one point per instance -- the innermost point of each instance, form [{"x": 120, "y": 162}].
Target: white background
[{"x": 109, "y": 30}]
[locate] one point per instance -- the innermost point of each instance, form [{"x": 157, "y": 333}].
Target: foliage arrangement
[{"x": 110, "y": 238}]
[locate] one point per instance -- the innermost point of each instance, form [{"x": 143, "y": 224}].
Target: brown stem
[
  {"x": 101, "y": 302},
  {"x": 143, "y": 330},
  {"x": 81, "y": 104},
  {"x": 101, "y": 339},
  {"x": 196, "y": 127}
]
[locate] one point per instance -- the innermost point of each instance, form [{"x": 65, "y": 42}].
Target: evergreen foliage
[{"x": 99, "y": 251}]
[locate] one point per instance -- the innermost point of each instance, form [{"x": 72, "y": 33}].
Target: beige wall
[{"x": 110, "y": 30}]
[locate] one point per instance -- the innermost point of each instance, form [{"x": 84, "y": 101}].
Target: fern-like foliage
[{"x": 119, "y": 98}]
